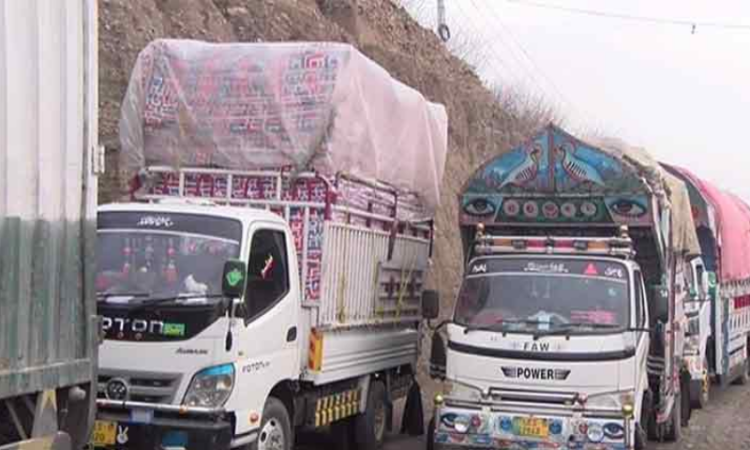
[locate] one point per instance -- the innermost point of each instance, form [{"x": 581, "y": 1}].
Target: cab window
[{"x": 267, "y": 274}]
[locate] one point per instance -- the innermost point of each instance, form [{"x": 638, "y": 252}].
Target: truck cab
[
  {"x": 547, "y": 346},
  {"x": 175, "y": 347},
  {"x": 569, "y": 326}
]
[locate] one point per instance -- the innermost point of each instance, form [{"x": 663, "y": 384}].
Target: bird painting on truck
[
  {"x": 578, "y": 170},
  {"x": 525, "y": 171}
]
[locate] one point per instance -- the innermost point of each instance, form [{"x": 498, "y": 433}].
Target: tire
[
  {"x": 743, "y": 379},
  {"x": 640, "y": 440},
  {"x": 275, "y": 429},
  {"x": 430, "y": 444},
  {"x": 700, "y": 390},
  {"x": 370, "y": 427},
  {"x": 343, "y": 434},
  {"x": 673, "y": 431}
]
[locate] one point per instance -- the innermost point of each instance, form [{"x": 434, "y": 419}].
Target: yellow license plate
[
  {"x": 531, "y": 427},
  {"x": 105, "y": 433}
]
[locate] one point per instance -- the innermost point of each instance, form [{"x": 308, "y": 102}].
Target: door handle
[{"x": 291, "y": 334}]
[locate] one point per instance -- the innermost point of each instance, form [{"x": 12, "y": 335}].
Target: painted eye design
[
  {"x": 479, "y": 207},
  {"x": 614, "y": 431},
  {"x": 448, "y": 419},
  {"x": 628, "y": 208}
]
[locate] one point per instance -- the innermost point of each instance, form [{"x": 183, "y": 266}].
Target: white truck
[
  {"x": 719, "y": 308},
  {"x": 568, "y": 327},
  {"x": 49, "y": 160},
  {"x": 277, "y": 292}
]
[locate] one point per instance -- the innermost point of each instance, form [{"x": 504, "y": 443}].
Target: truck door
[{"x": 269, "y": 335}]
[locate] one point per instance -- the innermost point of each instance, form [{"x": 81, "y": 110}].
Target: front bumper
[
  {"x": 495, "y": 428},
  {"x": 161, "y": 432}
]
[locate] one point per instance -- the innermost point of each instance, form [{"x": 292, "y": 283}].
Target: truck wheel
[
  {"x": 275, "y": 428},
  {"x": 743, "y": 378},
  {"x": 673, "y": 431},
  {"x": 640, "y": 441},
  {"x": 700, "y": 391},
  {"x": 430, "y": 444},
  {"x": 370, "y": 427}
]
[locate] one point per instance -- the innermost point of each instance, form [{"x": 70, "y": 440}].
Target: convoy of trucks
[
  {"x": 275, "y": 281},
  {"x": 48, "y": 164},
  {"x": 269, "y": 273}
]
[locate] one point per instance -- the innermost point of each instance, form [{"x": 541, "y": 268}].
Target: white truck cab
[
  {"x": 549, "y": 348},
  {"x": 211, "y": 344}
]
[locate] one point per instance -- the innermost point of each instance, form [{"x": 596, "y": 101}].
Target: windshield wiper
[
  {"x": 494, "y": 326},
  {"x": 566, "y": 328},
  {"x": 105, "y": 295},
  {"x": 143, "y": 304}
]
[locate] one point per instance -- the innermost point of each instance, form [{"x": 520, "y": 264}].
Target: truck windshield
[
  {"x": 154, "y": 255},
  {"x": 536, "y": 295}
]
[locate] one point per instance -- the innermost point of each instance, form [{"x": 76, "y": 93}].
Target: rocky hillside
[{"x": 381, "y": 29}]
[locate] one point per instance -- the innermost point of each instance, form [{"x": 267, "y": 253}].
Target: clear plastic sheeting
[
  {"x": 669, "y": 190},
  {"x": 320, "y": 106}
]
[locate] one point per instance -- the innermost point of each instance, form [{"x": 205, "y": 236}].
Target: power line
[
  {"x": 633, "y": 18},
  {"x": 536, "y": 66},
  {"x": 495, "y": 60}
]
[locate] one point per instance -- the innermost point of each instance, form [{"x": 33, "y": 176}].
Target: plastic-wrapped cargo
[
  {"x": 732, "y": 222},
  {"x": 310, "y": 106}
]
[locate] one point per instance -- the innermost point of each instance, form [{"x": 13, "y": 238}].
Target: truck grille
[{"x": 143, "y": 387}]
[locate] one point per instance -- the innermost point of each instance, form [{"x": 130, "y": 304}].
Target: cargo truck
[
  {"x": 718, "y": 309},
  {"x": 269, "y": 274},
  {"x": 49, "y": 158},
  {"x": 568, "y": 327}
]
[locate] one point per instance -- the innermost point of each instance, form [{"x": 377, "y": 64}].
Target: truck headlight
[
  {"x": 613, "y": 400},
  {"x": 595, "y": 433},
  {"x": 210, "y": 388},
  {"x": 465, "y": 392}
]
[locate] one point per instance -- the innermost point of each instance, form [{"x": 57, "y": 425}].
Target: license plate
[
  {"x": 105, "y": 433},
  {"x": 531, "y": 427}
]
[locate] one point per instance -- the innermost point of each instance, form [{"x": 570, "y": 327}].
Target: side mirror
[
  {"x": 438, "y": 357},
  {"x": 660, "y": 303},
  {"x": 233, "y": 279},
  {"x": 430, "y": 304}
]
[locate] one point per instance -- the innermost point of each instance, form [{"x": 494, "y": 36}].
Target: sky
[{"x": 684, "y": 97}]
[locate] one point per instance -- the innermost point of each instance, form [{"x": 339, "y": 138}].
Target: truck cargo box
[{"x": 363, "y": 249}]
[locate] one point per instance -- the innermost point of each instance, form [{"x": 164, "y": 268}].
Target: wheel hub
[{"x": 271, "y": 436}]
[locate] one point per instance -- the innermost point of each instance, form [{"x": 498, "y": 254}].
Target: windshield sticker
[
  {"x": 591, "y": 270},
  {"x": 614, "y": 272},
  {"x": 155, "y": 222},
  {"x": 549, "y": 267},
  {"x": 479, "y": 268}
]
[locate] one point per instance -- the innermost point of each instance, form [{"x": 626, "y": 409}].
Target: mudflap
[{"x": 412, "y": 422}]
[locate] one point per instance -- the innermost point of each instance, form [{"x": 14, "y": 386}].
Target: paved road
[{"x": 724, "y": 425}]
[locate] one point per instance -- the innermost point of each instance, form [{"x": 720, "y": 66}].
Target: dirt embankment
[{"x": 381, "y": 29}]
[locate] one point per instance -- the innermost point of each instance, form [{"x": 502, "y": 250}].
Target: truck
[
  {"x": 49, "y": 160},
  {"x": 718, "y": 309},
  {"x": 268, "y": 274},
  {"x": 569, "y": 325}
]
